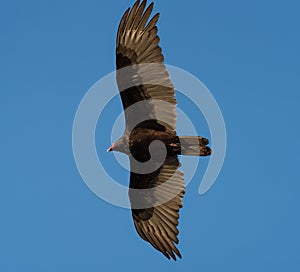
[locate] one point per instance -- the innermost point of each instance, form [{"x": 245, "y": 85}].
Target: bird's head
[{"x": 121, "y": 146}]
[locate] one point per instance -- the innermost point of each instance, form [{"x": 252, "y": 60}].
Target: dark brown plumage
[{"x": 137, "y": 43}]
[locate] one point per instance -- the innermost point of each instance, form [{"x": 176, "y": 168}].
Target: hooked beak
[{"x": 111, "y": 148}]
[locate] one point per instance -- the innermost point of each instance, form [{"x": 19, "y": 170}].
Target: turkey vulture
[{"x": 138, "y": 43}]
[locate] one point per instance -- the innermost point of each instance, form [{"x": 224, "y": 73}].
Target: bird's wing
[
  {"x": 137, "y": 45},
  {"x": 157, "y": 224}
]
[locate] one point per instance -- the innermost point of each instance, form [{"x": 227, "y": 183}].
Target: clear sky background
[{"x": 247, "y": 54}]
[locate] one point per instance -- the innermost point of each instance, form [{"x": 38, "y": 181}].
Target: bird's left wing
[
  {"x": 137, "y": 45},
  {"x": 157, "y": 224}
]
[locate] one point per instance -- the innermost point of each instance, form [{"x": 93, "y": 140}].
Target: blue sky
[{"x": 247, "y": 54}]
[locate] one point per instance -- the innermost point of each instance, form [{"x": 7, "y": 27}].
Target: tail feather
[{"x": 194, "y": 146}]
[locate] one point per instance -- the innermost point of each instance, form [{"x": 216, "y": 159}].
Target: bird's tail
[{"x": 194, "y": 146}]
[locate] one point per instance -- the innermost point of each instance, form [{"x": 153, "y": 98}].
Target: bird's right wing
[
  {"x": 157, "y": 224},
  {"x": 137, "y": 45}
]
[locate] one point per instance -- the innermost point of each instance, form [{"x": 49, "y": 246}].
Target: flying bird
[{"x": 153, "y": 167}]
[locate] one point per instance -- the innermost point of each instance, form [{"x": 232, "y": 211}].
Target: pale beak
[{"x": 111, "y": 148}]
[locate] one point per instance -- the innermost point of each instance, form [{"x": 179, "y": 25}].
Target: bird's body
[
  {"x": 137, "y": 43},
  {"x": 141, "y": 138}
]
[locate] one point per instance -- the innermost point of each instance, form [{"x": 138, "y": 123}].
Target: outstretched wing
[
  {"x": 157, "y": 224},
  {"x": 137, "y": 45}
]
